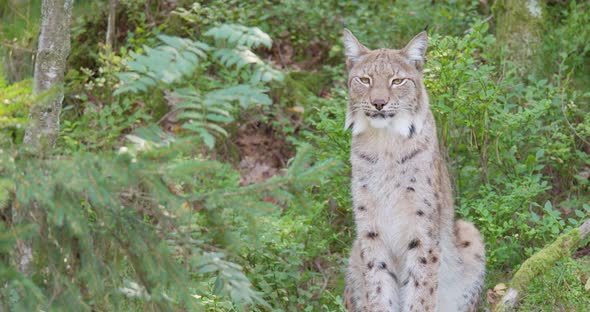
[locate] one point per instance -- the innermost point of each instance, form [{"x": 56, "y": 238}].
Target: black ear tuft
[
  {"x": 426, "y": 27},
  {"x": 343, "y": 23}
]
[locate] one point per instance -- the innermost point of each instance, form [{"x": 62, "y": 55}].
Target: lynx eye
[
  {"x": 397, "y": 81},
  {"x": 365, "y": 80}
]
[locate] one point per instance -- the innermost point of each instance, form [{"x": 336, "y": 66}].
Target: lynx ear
[
  {"x": 416, "y": 49},
  {"x": 353, "y": 49}
]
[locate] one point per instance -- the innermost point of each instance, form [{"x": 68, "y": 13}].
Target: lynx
[{"x": 409, "y": 254}]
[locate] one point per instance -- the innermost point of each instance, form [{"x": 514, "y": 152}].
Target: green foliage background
[{"x": 141, "y": 206}]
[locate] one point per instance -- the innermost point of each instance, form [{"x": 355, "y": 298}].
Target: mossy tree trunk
[
  {"x": 50, "y": 65},
  {"x": 519, "y": 28},
  {"x": 43, "y": 128}
]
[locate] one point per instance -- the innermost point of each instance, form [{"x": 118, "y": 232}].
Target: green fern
[
  {"x": 239, "y": 35},
  {"x": 204, "y": 111},
  {"x": 202, "y": 114},
  {"x": 238, "y": 41},
  {"x": 165, "y": 64}
]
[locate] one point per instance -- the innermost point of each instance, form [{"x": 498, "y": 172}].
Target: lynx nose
[{"x": 378, "y": 103}]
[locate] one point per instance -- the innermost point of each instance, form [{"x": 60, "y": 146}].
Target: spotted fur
[{"x": 410, "y": 254}]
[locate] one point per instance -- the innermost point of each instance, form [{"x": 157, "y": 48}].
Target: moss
[
  {"x": 544, "y": 260},
  {"x": 561, "y": 288}
]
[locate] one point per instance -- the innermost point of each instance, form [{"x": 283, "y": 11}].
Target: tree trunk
[
  {"x": 519, "y": 28},
  {"x": 111, "y": 26},
  {"x": 43, "y": 127},
  {"x": 50, "y": 65}
]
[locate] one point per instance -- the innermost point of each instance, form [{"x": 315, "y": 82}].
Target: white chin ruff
[
  {"x": 399, "y": 124},
  {"x": 379, "y": 123}
]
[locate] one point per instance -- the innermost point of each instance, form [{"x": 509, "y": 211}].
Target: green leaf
[
  {"x": 548, "y": 207},
  {"x": 219, "y": 118}
]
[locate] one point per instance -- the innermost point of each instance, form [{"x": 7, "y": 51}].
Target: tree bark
[
  {"x": 111, "y": 25},
  {"x": 519, "y": 28},
  {"x": 50, "y": 65},
  {"x": 43, "y": 127}
]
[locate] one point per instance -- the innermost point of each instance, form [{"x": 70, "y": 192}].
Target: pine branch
[{"x": 138, "y": 203}]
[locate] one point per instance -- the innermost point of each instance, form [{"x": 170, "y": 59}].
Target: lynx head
[{"x": 385, "y": 86}]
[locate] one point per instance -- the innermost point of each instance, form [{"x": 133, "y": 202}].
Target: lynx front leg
[
  {"x": 354, "y": 292},
  {"x": 373, "y": 259},
  {"x": 364, "y": 292},
  {"x": 420, "y": 290},
  {"x": 422, "y": 262},
  {"x": 380, "y": 281}
]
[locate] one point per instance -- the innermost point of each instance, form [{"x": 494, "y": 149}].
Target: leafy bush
[{"x": 504, "y": 137}]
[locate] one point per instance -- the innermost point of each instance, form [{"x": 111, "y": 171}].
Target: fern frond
[
  {"x": 240, "y": 57},
  {"x": 202, "y": 112},
  {"x": 165, "y": 64},
  {"x": 238, "y": 35},
  {"x": 245, "y": 95},
  {"x": 205, "y": 114},
  {"x": 266, "y": 73}
]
